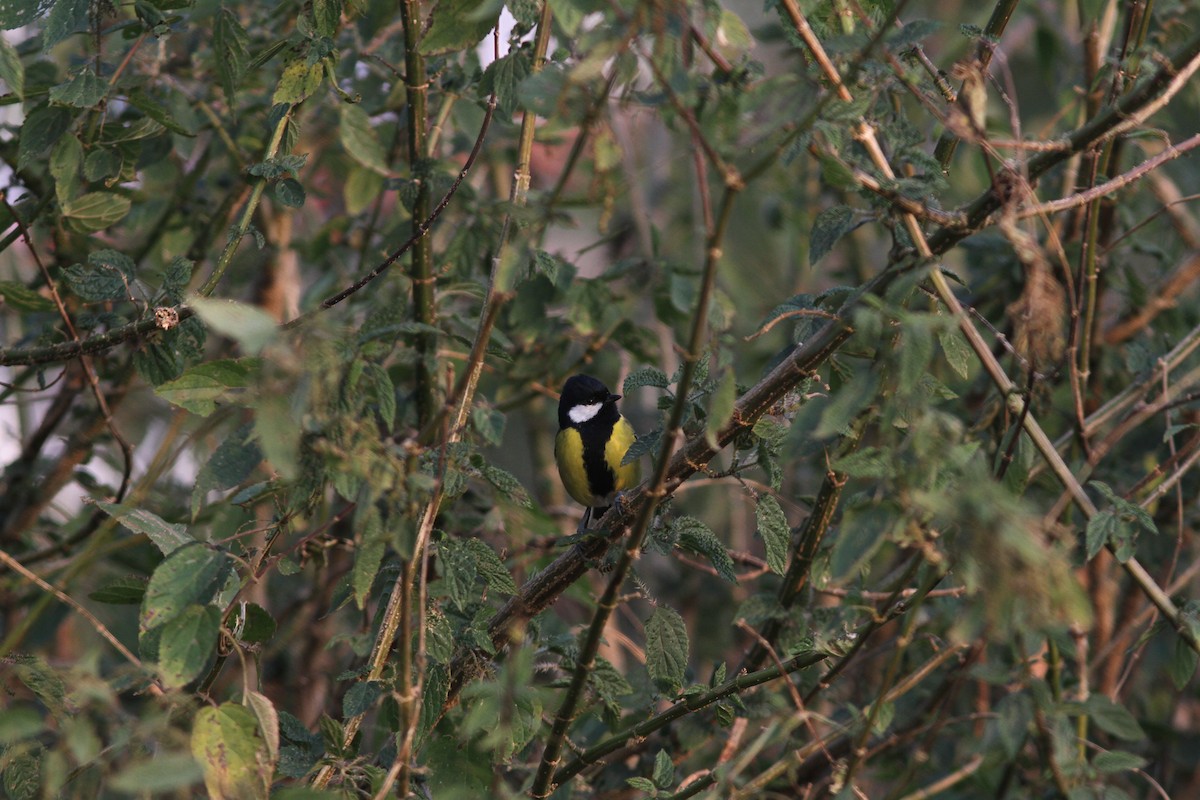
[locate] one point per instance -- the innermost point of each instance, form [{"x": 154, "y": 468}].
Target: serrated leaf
[
  {"x": 299, "y": 80},
  {"x": 66, "y": 160},
  {"x": 666, "y": 648},
  {"x": 191, "y": 575},
  {"x": 66, "y": 18},
  {"x": 327, "y": 15},
  {"x": 546, "y": 264},
  {"x": 1182, "y": 664},
  {"x": 268, "y": 721},
  {"x": 121, "y": 591},
  {"x": 256, "y": 626},
  {"x": 40, "y": 131},
  {"x": 18, "y": 13},
  {"x": 361, "y": 189},
  {"x": 489, "y": 567},
  {"x": 870, "y": 462},
  {"x": 369, "y": 553},
  {"x": 360, "y": 140},
  {"x": 914, "y": 352},
  {"x": 507, "y": 484},
  {"x": 912, "y": 33},
  {"x": 103, "y": 164},
  {"x": 163, "y": 772},
  {"x": 488, "y": 423},
  {"x": 829, "y": 226},
  {"x": 458, "y": 571},
  {"x": 504, "y": 77},
  {"x": 230, "y": 464},
  {"x": 720, "y": 407},
  {"x": 199, "y": 388},
  {"x": 249, "y": 326},
  {"x": 157, "y": 109},
  {"x": 22, "y": 298},
  {"x": 186, "y": 644},
  {"x": 645, "y": 444},
  {"x": 773, "y": 528},
  {"x": 1113, "y": 718},
  {"x": 958, "y": 353},
  {"x": 645, "y": 376},
  {"x": 83, "y": 90},
  {"x": 1101, "y": 528},
  {"x": 455, "y": 26},
  {"x": 360, "y": 698},
  {"x": 232, "y": 53},
  {"x": 290, "y": 193},
  {"x": 166, "y": 536},
  {"x": 95, "y": 211},
  {"x": 226, "y": 743},
  {"x": 1117, "y": 761},
  {"x": 695, "y": 536}
]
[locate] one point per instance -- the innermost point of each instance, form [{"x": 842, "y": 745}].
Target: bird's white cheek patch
[{"x": 581, "y": 414}]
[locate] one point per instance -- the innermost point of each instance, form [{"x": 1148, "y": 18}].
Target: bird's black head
[{"x": 585, "y": 399}]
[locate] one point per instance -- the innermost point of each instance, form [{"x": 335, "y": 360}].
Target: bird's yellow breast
[
  {"x": 568, "y": 454},
  {"x": 614, "y": 453}
]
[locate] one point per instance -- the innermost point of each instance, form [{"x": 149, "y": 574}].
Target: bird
[{"x": 592, "y": 441}]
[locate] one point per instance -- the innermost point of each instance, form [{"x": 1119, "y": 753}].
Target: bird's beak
[{"x": 612, "y": 398}]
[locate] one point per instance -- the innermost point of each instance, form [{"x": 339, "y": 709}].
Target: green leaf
[
  {"x": 695, "y": 536},
  {"x": 1112, "y": 761},
  {"x": 1104, "y": 527},
  {"x": 299, "y": 80},
  {"x": 40, "y": 131},
  {"x": 720, "y": 407},
  {"x": 488, "y": 423},
  {"x": 829, "y": 226},
  {"x": 1113, "y": 718},
  {"x": 249, "y": 326},
  {"x": 1182, "y": 664},
  {"x": 66, "y": 17},
  {"x": 646, "y": 376},
  {"x": 644, "y": 445},
  {"x": 121, "y": 591},
  {"x": 230, "y": 464},
  {"x": 546, "y": 264},
  {"x": 200, "y": 387},
  {"x": 268, "y": 721},
  {"x": 642, "y": 784},
  {"x": 231, "y": 49},
  {"x": 66, "y": 159},
  {"x": 96, "y": 211},
  {"x": 372, "y": 543},
  {"x": 666, "y": 648},
  {"x": 103, "y": 164},
  {"x": 327, "y": 15},
  {"x": 12, "y": 71},
  {"x": 186, "y": 644},
  {"x": 664, "y": 770},
  {"x": 161, "y": 773},
  {"x": 18, "y": 296},
  {"x": 507, "y": 484},
  {"x": 167, "y": 537},
  {"x": 914, "y": 352},
  {"x": 862, "y": 531},
  {"x": 958, "y": 353},
  {"x": 290, "y": 193},
  {"x": 362, "y": 188},
  {"x": 456, "y": 26},
  {"x": 226, "y": 742},
  {"x": 912, "y": 33},
  {"x": 360, "y": 140},
  {"x": 360, "y": 698},
  {"x": 773, "y": 528},
  {"x": 503, "y": 77},
  {"x": 19, "y": 13},
  {"x": 43, "y": 681},
  {"x": 155, "y": 106},
  {"x": 568, "y": 14},
  {"x": 489, "y": 567},
  {"x": 106, "y": 276},
  {"x": 458, "y": 571},
  {"x": 870, "y": 462},
  {"x": 256, "y": 626},
  {"x": 191, "y": 575},
  {"x": 83, "y": 90}
]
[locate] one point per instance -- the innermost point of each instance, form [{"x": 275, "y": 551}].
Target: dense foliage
[{"x": 900, "y": 297}]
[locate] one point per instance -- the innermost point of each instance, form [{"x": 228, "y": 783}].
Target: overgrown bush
[{"x": 900, "y": 296}]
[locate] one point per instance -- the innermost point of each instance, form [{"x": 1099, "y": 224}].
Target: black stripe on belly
[{"x": 600, "y": 477}]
